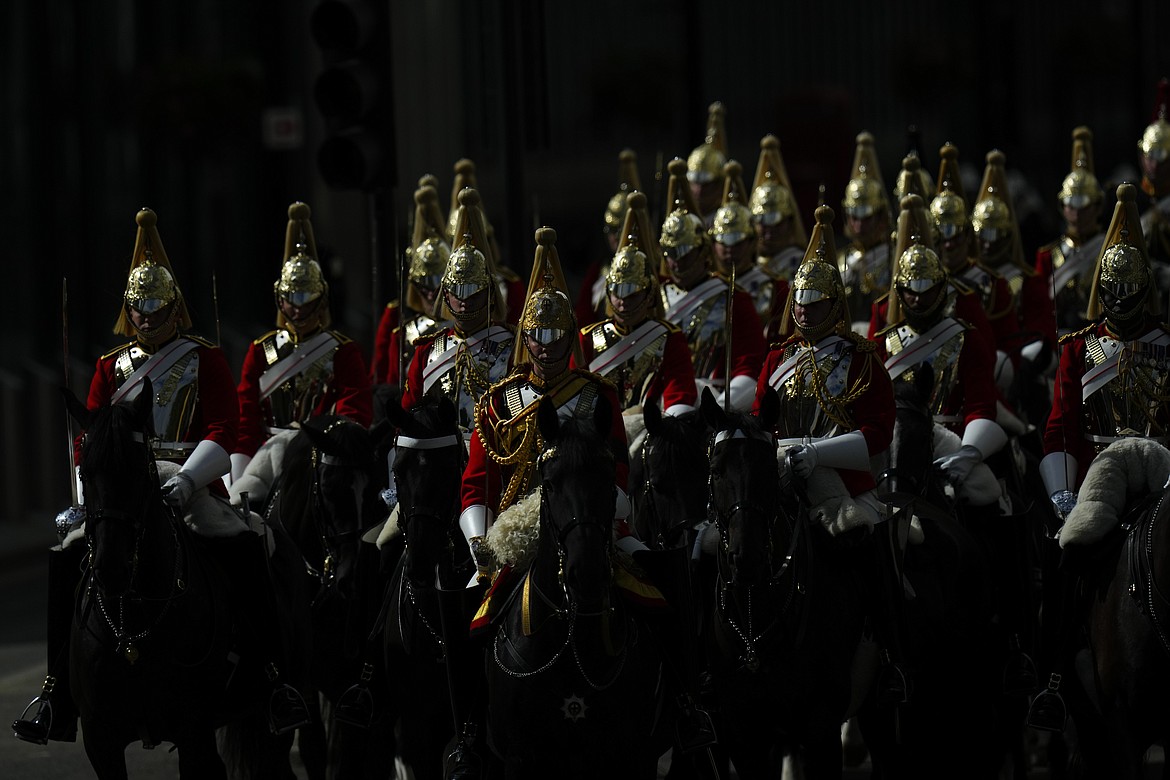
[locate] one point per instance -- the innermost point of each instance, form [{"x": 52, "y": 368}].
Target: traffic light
[{"x": 354, "y": 94}]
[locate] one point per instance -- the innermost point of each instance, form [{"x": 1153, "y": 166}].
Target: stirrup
[
  {"x": 1019, "y": 675},
  {"x": 893, "y": 688},
  {"x": 356, "y": 705},
  {"x": 463, "y": 763},
  {"x": 694, "y": 728},
  {"x": 1048, "y": 711},
  {"x": 35, "y": 729},
  {"x": 286, "y": 710}
]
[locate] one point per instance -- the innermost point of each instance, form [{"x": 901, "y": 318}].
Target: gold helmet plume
[
  {"x": 683, "y": 228},
  {"x": 733, "y": 219},
  {"x": 993, "y": 208},
  {"x": 548, "y": 310},
  {"x": 865, "y": 194},
  {"x": 918, "y": 265},
  {"x": 705, "y": 162},
  {"x": 773, "y": 197},
  {"x": 1124, "y": 261},
  {"x": 910, "y": 180},
  {"x": 150, "y": 284},
  {"x": 1080, "y": 188},
  {"x": 464, "y": 178},
  {"x": 628, "y": 181},
  {"x": 948, "y": 209},
  {"x": 635, "y": 264},
  {"x": 301, "y": 279},
  {"x": 816, "y": 279},
  {"x": 471, "y": 267},
  {"x": 429, "y": 250}
]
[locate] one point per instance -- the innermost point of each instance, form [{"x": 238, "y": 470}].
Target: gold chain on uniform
[
  {"x": 530, "y": 441},
  {"x": 834, "y": 407}
]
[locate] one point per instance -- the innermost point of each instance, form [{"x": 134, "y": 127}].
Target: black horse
[
  {"x": 153, "y": 641},
  {"x": 788, "y": 619},
  {"x": 325, "y": 496},
  {"x": 571, "y": 672},
  {"x": 426, "y": 619},
  {"x": 949, "y": 643},
  {"x": 669, "y": 481}
]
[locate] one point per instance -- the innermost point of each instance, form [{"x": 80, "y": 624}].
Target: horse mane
[
  {"x": 109, "y": 439},
  {"x": 578, "y": 444}
]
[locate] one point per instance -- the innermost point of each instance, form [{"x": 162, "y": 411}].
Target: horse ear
[
  {"x": 76, "y": 408},
  {"x": 769, "y": 409},
  {"x": 547, "y": 421},
  {"x": 603, "y": 416},
  {"x": 380, "y": 432},
  {"x": 144, "y": 407},
  {"x": 318, "y": 437},
  {"x": 713, "y": 413},
  {"x": 447, "y": 412},
  {"x": 652, "y": 418}
]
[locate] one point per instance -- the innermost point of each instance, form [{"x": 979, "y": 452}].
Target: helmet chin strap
[
  {"x": 822, "y": 328},
  {"x": 159, "y": 335}
]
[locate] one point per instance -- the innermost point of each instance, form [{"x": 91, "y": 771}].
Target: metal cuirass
[
  {"x": 943, "y": 358},
  {"x": 1133, "y": 402},
  {"x": 471, "y": 373},
  {"x": 176, "y": 398},
  {"x": 1072, "y": 268},
  {"x": 632, "y": 377},
  {"x": 298, "y": 396},
  {"x": 804, "y": 408},
  {"x": 704, "y": 328}
]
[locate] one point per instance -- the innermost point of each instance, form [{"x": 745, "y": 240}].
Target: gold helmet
[
  {"x": 733, "y": 219},
  {"x": 918, "y": 267},
  {"x": 429, "y": 250},
  {"x": 773, "y": 198},
  {"x": 993, "y": 215},
  {"x": 429, "y": 180},
  {"x": 301, "y": 280},
  {"x": 1080, "y": 187},
  {"x": 1155, "y": 141},
  {"x": 548, "y": 311},
  {"x": 471, "y": 267},
  {"x": 151, "y": 284},
  {"x": 634, "y": 265},
  {"x": 683, "y": 229},
  {"x": 948, "y": 208},
  {"x": 865, "y": 194},
  {"x": 628, "y": 181},
  {"x": 1123, "y": 268},
  {"x": 706, "y": 160},
  {"x": 817, "y": 278}
]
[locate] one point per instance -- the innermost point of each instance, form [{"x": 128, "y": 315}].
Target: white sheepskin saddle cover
[
  {"x": 514, "y": 535},
  {"x": 1125, "y": 468},
  {"x": 264, "y": 469},
  {"x": 829, "y": 501},
  {"x": 206, "y": 515}
]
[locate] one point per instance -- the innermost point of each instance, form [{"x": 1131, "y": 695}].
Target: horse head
[
  {"x": 911, "y": 471},
  {"x": 122, "y": 494},
  {"x": 578, "y": 502},
  {"x": 428, "y": 467},
  {"x": 671, "y": 495},
  {"x": 745, "y": 489},
  {"x": 344, "y": 496}
]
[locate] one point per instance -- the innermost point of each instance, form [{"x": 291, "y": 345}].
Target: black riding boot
[
  {"x": 884, "y": 590},
  {"x": 676, "y": 635},
  {"x": 245, "y": 559},
  {"x": 1048, "y": 711},
  {"x": 53, "y": 715},
  {"x": 466, "y": 681}
]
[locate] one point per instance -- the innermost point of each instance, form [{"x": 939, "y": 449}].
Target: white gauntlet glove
[{"x": 177, "y": 491}]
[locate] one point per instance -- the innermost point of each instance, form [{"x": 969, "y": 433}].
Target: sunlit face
[
  {"x": 632, "y": 309},
  {"x": 741, "y": 256},
  {"x": 810, "y": 315},
  {"x": 688, "y": 270},
  {"x": 1083, "y": 220},
  {"x": 919, "y": 302},
  {"x": 156, "y": 326},
  {"x": 549, "y": 360},
  {"x": 868, "y": 227}
]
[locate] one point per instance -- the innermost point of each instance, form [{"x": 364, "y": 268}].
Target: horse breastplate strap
[
  {"x": 940, "y": 348},
  {"x": 641, "y": 355},
  {"x": 294, "y": 397},
  {"x": 814, "y": 399},
  {"x": 176, "y": 396},
  {"x": 1125, "y": 387},
  {"x": 463, "y": 368},
  {"x": 702, "y": 320}
]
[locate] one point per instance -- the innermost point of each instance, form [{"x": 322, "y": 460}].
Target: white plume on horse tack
[
  {"x": 1126, "y": 467},
  {"x": 515, "y": 534},
  {"x": 264, "y": 469}
]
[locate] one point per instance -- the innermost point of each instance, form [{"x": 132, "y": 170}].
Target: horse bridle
[
  {"x": 646, "y": 491},
  {"x": 331, "y": 538}
]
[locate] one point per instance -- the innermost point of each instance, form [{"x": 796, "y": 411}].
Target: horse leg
[{"x": 199, "y": 757}]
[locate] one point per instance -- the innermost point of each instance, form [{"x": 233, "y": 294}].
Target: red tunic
[
  {"x": 485, "y": 480},
  {"x": 674, "y": 380},
  {"x": 872, "y": 412},
  {"x": 347, "y": 394},
  {"x": 586, "y": 312},
  {"x": 387, "y": 341}
]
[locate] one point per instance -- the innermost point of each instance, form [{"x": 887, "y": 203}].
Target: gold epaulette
[
  {"x": 860, "y": 343},
  {"x": 784, "y": 344},
  {"x": 671, "y": 327},
  {"x": 595, "y": 377},
  {"x": 961, "y": 286},
  {"x": 117, "y": 349},
  {"x": 341, "y": 337},
  {"x": 266, "y": 336},
  {"x": 1051, "y": 245},
  {"x": 1082, "y": 332},
  {"x": 393, "y": 304},
  {"x": 199, "y": 340},
  {"x": 588, "y": 329},
  {"x": 890, "y": 327}
]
